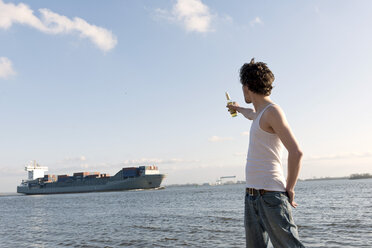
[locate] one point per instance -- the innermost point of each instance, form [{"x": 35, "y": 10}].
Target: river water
[{"x": 334, "y": 213}]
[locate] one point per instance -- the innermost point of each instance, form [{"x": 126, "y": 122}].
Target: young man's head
[{"x": 257, "y": 78}]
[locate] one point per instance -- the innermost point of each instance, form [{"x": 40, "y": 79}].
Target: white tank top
[{"x": 264, "y": 161}]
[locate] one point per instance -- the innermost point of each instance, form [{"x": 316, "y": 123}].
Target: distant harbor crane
[{"x": 219, "y": 181}]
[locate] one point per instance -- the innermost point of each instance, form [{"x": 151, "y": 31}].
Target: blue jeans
[{"x": 270, "y": 216}]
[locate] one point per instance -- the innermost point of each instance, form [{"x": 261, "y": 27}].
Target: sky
[{"x": 102, "y": 85}]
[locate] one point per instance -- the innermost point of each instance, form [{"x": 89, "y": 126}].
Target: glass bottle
[{"x": 229, "y": 102}]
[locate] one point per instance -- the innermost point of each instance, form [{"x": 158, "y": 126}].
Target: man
[{"x": 269, "y": 196}]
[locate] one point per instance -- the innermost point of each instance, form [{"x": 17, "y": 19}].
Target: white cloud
[
  {"x": 6, "y": 68},
  {"x": 73, "y": 159},
  {"x": 53, "y": 23},
  {"x": 256, "y": 21},
  {"x": 165, "y": 14},
  {"x": 228, "y": 19},
  {"x": 219, "y": 139},
  {"x": 21, "y": 13},
  {"x": 156, "y": 161},
  {"x": 14, "y": 171},
  {"x": 192, "y": 14}
]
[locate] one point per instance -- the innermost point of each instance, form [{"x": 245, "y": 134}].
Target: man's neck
[{"x": 260, "y": 102}]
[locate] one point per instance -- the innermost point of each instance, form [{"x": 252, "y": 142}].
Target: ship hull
[{"x": 95, "y": 185}]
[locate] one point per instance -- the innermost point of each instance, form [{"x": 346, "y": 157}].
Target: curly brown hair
[{"x": 258, "y": 77}]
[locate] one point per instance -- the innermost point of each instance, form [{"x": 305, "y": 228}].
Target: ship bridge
[{"x": 35, "y": 170}]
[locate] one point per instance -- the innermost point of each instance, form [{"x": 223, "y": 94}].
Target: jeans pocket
[{"x": 273, "y": 199}]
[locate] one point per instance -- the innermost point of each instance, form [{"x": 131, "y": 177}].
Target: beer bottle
[{"x": 229, "y": 102}]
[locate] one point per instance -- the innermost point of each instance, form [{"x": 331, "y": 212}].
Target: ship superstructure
[
  {"x": 142, "y": 177},
  {"x": 35, "y": 170}
]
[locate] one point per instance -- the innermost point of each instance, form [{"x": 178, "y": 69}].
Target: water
[{"x": 336, "y": 213}]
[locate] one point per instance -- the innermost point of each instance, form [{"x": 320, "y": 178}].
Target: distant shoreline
[
  {"x": 10, "y": 194},
  {"x": 351, "y": 177},
  {"x": 324, "y": 179}
]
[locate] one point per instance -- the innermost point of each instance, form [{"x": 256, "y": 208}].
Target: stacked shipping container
[{"x": 49, "y": 178}]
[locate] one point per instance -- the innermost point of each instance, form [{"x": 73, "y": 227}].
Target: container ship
[{"x": 142, "y": 177}]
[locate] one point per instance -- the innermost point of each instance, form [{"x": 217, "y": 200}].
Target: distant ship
[{"x": 142, "y": 177}]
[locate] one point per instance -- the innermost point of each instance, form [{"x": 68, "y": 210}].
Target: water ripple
[{"x": 331, "y": 214}]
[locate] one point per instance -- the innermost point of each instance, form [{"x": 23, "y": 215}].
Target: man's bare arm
[
  {"x": 279, "y": 124},
  {"x": 246, "y": 112}
]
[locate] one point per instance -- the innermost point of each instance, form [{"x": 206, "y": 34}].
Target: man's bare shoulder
[
  {"x": 275, "y": 109},
  {"x": 275, "y": 113}
]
